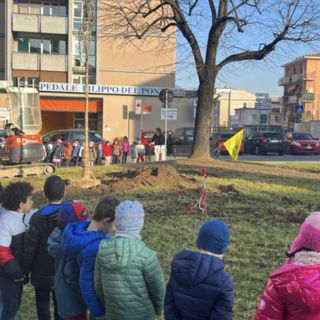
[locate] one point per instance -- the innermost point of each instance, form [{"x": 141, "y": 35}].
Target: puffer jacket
[
  {"x": 292, "y": 293},
  {"x": 12, "y": 233},
  {"x": 66, "y": 281},
  {"x": 36, "y": 258},
  {"x": 76, "y": 240},
  {"x": 129, "y": 280},
  {"x": 198, "y": 289}
]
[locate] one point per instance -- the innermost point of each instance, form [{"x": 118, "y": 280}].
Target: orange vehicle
[
  {"x": 217, "y": 139},
  {"x": 22, "y": 152}
]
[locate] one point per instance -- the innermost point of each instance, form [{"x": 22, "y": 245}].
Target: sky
[{"x": 255, "y": 77}]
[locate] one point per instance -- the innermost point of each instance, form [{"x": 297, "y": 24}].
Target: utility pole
[{"x": 229, "y": 108}]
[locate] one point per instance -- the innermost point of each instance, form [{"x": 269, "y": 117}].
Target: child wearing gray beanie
[
  {"x": 199, "y": 288},
  {"x": 127, "y": 272}
]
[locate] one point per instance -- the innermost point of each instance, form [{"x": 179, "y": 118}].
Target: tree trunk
[
  {"x": 85, "y": 159},
  {"x": 203, "y": 119}
]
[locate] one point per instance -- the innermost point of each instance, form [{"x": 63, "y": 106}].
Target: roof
[{"x": 307, "y": 56}]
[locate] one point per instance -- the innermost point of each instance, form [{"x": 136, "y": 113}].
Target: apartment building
[
  {"x": 301, "y": 86},
  {"x": 39, "y": 43}
]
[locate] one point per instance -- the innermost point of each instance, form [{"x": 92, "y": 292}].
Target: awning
[
  {"x": 70, "y": 105},
  {"x": 291, "y": 88}
]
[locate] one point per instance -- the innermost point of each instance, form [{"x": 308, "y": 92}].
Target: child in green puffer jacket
[{"x": 128, "y": 277}]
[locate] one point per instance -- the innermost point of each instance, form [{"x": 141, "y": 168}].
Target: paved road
[{"x": 274, "y": 157}]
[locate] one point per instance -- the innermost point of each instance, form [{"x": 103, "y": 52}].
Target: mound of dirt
[{"x": 157, "y": 176}]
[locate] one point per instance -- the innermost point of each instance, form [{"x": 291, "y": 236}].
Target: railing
[
  {"x": 39, "y": 24},
  {"x": 38, "y": 61},
  {"x": 306, "y": 97}
]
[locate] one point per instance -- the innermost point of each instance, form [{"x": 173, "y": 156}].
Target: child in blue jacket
[
  {"x": 83, "y": 239},
  {"x": 66, "y": 280},
  {"x": 199, "y": 288}
]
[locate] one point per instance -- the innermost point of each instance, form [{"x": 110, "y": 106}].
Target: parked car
[
  {"x": 263, "y": 142},
  {"x": 146, "y": 135},
  {"x": 218, "y": 138},
  {"x": 70, "y": 135},
  {"x": 183, "y": 135},
  {"x": 301, "y": 142}
]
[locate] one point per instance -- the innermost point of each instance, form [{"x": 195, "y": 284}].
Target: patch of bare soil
[{"x": 128, "y": 179}]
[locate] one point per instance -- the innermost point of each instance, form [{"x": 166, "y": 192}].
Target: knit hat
[
  {"x": 309, "y": 235},
  {"x": 129, "y": 216},
  {"x": 68, "y": 144},
  {"x": 72, "y": 212},
  {"x": 49, "y": 146},
  {"x": 214, "y": 236},
  {"x": 59, "y": 142}
]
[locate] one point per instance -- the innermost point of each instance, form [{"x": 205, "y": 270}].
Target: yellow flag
[{"x": 233, "y": 145}]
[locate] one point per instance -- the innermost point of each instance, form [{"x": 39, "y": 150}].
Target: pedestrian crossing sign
[{"x": 299, "y": 109}]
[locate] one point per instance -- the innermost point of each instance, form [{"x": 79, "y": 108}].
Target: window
[
  {"x": 23, "y": 6},
  {"x": 79, "y": 122},
  {"x": 35, "y": 45},
  {"x": 47, "y": 44},
  {"x": 77, "y": 15},
  {"x": 46, "y": 9},
  {"x": 294, "y": 70},
  {"x": 38, "y": 7},
  {"x": 288, "y": 72},
  {"x": 301, "y": 69},
  {"x": 79, "y": 55},
  {"x": 263, "y": 118},
  {"x": 35, "y": 7},
  {"x": 81, "y": 79},
  {"x": 276, "y": 118}
]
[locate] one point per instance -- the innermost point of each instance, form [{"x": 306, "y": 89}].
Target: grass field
[{"x": 263, "y": 206}]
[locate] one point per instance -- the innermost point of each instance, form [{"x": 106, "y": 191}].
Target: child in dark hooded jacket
[
  {"x": 83, "y": 239},
  {"x": 66, "y": 280},
  {"x": 199, "y": 288}
]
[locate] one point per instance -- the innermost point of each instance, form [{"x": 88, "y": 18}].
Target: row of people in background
[{"x": 114, "y": 153}]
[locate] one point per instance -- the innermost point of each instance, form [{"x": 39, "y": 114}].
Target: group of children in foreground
[
  {"x": 104, "y": 151},
  {"x": 76, "y": 263}
]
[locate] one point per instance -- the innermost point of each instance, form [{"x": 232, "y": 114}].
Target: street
[{"x": 274, "y": 157}]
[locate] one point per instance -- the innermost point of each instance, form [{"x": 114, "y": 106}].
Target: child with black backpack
[{"x": 36, "y": 258}]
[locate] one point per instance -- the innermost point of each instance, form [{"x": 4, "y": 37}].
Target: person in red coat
[
  {"x": 107, "y": 153},
  {"x": 293, "y": 291}
]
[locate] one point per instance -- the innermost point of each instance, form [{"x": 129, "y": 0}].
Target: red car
[
  {"x": 147, "y": 135},
  {"x": 217, "y": 139},
  {"x": 301, "y": 142}
]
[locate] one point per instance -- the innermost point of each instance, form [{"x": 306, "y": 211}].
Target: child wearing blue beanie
[{"x": 199, "y": 288}]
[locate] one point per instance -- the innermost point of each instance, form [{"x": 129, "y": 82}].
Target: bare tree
[
  {"x": 85, "y": 35},
  {"x": 217, "y": 32}
]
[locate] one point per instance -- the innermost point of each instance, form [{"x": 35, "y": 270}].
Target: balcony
[
  {"x": 284, "y": 81},
  {"x": 39, "y": 62},
  {"x": 39, "y": 23},
  {"x": 296, "y": 78},
  {"x": 306, "y": 97},
  {"x": 290, "y": 99}
]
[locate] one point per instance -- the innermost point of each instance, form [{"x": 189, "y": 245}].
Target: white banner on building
[{"x": 99, "y": 89}]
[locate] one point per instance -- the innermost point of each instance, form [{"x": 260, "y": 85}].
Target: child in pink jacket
[
  {"x": 125, "y": 148},
  {"x": 293, "y": 291}
]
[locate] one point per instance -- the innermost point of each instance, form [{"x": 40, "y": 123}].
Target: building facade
[
  {"x": 260, "y": 119},
  {"x": 301, "y": 86},
  {"x": 39, "y": 43},
  {"x": 225, "y": 101}
]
